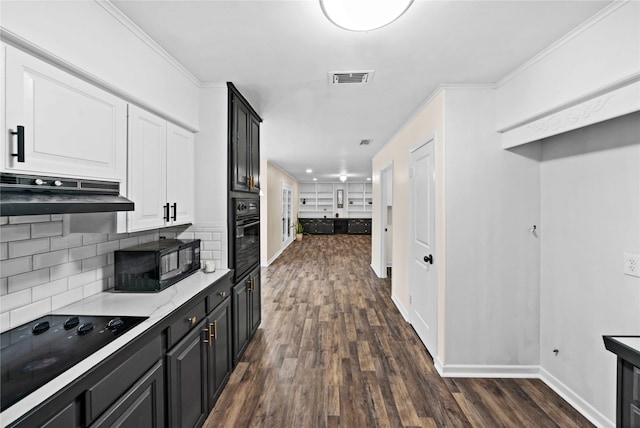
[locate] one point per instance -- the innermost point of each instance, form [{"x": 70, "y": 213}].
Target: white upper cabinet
[
  {"x": 180, "y": 174},
  {"x": 70, "y": 127},
  {"x": 160, "y": 172}
]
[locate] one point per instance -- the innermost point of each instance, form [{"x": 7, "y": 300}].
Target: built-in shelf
[
  {"x": 319, "y": 199},
  {"x": 359, "y": 197}
]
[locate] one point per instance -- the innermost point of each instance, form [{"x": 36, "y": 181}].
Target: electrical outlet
[{"x": 632, "y": 264}]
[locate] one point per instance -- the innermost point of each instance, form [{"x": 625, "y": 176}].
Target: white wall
[
  {"x": 601, "y": 52},
  {"x": 92, "y": 37},
  {"x": 492, "y": 260},
  {"x": 590, "y": 181}
]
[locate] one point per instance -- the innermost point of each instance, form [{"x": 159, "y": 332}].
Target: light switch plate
[{"x": 632, "y": 264}]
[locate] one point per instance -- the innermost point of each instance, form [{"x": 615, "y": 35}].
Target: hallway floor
[{"x": 333, "y": 350}]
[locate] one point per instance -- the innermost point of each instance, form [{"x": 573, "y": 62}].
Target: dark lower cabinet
[
  {"x": 186, "y": 378},
  {"x": 328, "y": 226},
  {"x": 141, "y": 406},
  {"x": 67, "y": 417},
  {"x": 220, "y": 359},
  {"x": 247, "y": 311},
  {"x": 627, "y": 348}
]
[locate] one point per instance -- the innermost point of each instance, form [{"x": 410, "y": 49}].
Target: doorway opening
[
  {"x": 386, "y": 216},
  {"x": 287, "y": 215}
]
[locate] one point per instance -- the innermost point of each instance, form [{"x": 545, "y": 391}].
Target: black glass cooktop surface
[{"x": 36, "y": 352}]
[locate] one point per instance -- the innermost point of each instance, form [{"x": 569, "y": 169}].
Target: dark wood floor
[{"x": 333, "y": 350}]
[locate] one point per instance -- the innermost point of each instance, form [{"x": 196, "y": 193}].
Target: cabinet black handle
[
  {"x": 20, "y": 133},
  {"x": 166, "y": 212},
  {"x": 175, "y": 211}
]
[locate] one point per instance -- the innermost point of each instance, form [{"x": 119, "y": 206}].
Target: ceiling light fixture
[
  {"x": 309, "y": 170},
  {"x": 363, "y": 15},
  {"x": 343, "y": 178}
]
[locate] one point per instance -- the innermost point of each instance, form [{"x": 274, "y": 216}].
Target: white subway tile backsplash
[
  {"x": 82, "y": 279},
  {"x": 94, "y": 238},
  {"x": 94, "y": 262},
  {"x": 23, "y": 219},
  {"x": 107, "y": 247},
  {"x": 80, "y": 253},
  {"x": 129, "y": 242},
  {"x": 52, "y": 258},
  {"x": 28, "y": 280},
  {"x": 15, "y": 266},
  {"x": 40, "y": 230},
  {"x": 27, "y": 313},
  {"x": 15, "y": 300},
  {"x": 66, "y": 270},
  {"x": 49, "y": 289},
  {"x": 95, "y": 287},
  {"x": 5, "y": 322},
  {"x": 28, "y": 247},
  {"x": 204, "y": 236},
  {"x": 40, "y": 270},
  {"x": 66, "y": 298},
  {"x": 15, "y": 232},
  {"x": 206, "y": 255},
  {"x": 69, "y": 241}
]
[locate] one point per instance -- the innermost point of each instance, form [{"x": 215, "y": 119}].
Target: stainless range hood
[{"x": 33, "y": 195}]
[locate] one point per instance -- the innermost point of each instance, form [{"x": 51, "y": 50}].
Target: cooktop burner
[{"x": 36, "y": 352}]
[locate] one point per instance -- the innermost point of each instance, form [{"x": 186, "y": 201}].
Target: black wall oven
[{"x": 244, "y": 253}]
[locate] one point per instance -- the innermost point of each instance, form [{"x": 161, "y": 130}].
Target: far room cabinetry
[
  {"x": 244, "y": 144},
  {"x": 316, "y": 198},
  {"x": 359, "y": 197},
  {"x": 64, "y": 126},
  {"x": 160, "y": 172}
]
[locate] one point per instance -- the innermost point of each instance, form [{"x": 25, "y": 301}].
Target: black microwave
[{"x": 155, "y": 265}]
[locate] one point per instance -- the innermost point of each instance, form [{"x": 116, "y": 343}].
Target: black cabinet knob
[{"x": 428, "y": 259}]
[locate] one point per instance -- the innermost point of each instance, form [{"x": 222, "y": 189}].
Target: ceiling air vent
[
  {"x": 365, "y": 142},
  {"x": 351, "y": 77}
]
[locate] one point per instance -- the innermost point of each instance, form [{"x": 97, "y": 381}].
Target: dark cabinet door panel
[
  {"x": 187, "y": 372},
  {"x": 220, "y": 351},
  {"x": 240, "y": 304},
  {"x": 255, "y": 309},
  {"x": 141, "y": 406}
]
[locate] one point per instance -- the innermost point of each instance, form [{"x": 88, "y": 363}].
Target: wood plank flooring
[{"x": 333, "y": 350}]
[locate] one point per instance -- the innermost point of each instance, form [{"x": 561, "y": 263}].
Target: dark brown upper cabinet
[{"x": 244, "y": 144}]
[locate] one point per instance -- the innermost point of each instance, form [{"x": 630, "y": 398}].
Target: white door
[
  {"x": 423, "y": 287},
  {"x": 287, "y": 216}
]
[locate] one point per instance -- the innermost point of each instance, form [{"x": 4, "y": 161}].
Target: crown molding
[{"x": 138, "y": 32}]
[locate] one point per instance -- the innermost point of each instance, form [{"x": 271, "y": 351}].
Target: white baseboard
[
  {"x": 276, "y": 255},
  {"x": 587, "y": 410},
  {"x": 403, "y": 311},
  {"x": 502, "y": 371},
  {"x": 378, "y": 274}
]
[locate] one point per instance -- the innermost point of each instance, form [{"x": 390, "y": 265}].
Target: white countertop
[{"x": 156, "y": 306}]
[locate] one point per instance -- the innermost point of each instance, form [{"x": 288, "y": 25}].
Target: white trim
[
  {"x": 25, "y": 45},
  {"x": 599, "y": 16},
  {"x": 276, "y": 255},
  {"x": 378, "y": 274},
  {"x": 387, "y": 168},
  {"x": 218, "y": 85},
  {"x": 612, "y": 101},
  {"x": 484, "y": 371},
  {"x": 400, "y": 307},
  {"x": 144, "y": 37},
  {"x": 577, "y": 402}
]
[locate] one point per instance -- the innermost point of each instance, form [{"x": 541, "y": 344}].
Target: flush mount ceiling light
[
  {"x": 363, "y": 15},
  {"x": 343, "y": 178},
  {"x": 309, "y": 170}
]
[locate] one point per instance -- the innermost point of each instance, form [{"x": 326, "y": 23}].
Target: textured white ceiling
[{"x": 278, "y": 54}]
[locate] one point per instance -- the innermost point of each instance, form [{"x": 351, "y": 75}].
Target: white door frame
[
  {"x": 284, "y": 215},
  {"x": 384, "y": 193},
  {"x": 431, "y": 139}
]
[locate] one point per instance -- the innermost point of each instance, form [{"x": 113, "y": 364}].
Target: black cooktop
[{"x": 36, "y": 352}]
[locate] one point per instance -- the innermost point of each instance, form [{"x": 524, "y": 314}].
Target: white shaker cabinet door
[
  {"x": 71, "y": 128},
  {"x": 147, "y": 173},
  {"x": 180, "y": 174}
]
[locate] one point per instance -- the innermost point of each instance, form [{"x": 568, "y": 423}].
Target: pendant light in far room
[{"x": 363, "y": 15}]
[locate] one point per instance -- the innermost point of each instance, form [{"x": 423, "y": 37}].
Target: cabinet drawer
[
  {"x": 186, "y": 322},
  {"x": 105, "y": 392},
  {"x": 221, "y": 291}
]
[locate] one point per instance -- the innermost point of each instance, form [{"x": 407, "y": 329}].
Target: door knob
[{"x": 428, "y": 259}]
